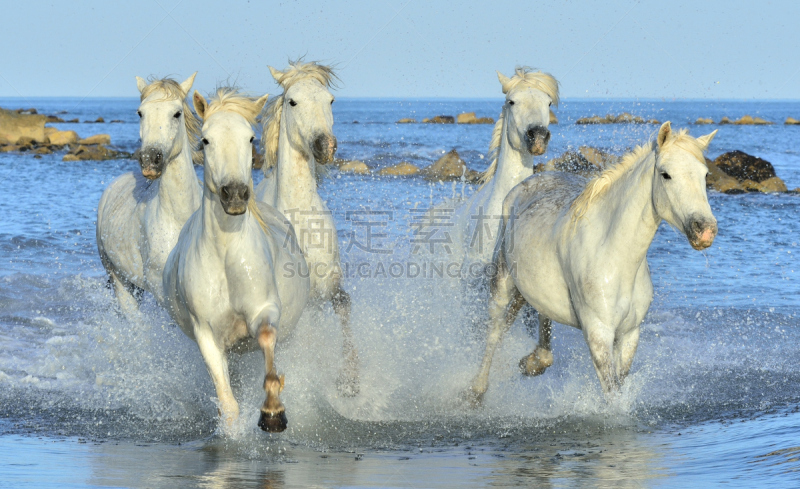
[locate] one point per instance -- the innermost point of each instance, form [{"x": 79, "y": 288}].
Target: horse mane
[
  {"x": 600, "y": 185},
  {"x": 525, "y": 75},
  {"x": 230, "y": 99},
  {"x": 297, "y": 71},
  {"x": 173, "y": 91}
]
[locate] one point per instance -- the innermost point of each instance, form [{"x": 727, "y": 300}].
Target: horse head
[
  {"x": 529, "y": 96},
  {"x": 679, "y": 185},
  {"x": 227, "y": 139},
  {"x": 164, "y": 120},
  {"x": 306, "y": 109}
]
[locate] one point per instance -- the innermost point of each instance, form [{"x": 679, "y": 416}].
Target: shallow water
[{"x": 87, "y": 398}]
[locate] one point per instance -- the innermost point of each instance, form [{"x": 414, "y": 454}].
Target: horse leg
[
  {"x": 128, "y": 303},
  {"x": 273, "y": 413},
  {"x": 347, "y": 383},
  {"x": 542, "y": 357},
  {"x": 600, "y": 339},
  {"x": 217, "y": 365},
  {"x": 504, "y": 305},
  {"x": 624, "y": 351}
]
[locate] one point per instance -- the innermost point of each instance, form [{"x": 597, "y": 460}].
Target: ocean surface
[{"x": 90, "y": 399}]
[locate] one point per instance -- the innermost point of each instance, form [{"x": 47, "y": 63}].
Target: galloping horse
[
  {"x": 577, "y": 252},
  {"x": 140, "y": 215},
  {"x": 521, "y": 132},
  {"x": 298, "y": 136},
  {"x": 224, "y": 282}
]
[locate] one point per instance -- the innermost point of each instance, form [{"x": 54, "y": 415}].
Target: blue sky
[{"x": 416, "y": 48}]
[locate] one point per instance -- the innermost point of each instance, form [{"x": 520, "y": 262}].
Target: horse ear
[
  {"x": 663, "y": 133},
  {"x": 200, "y": 104},
  {"x": 706, "y": 140},
  {"x": 261, "y": 101},
  {"x": 187, "y": 84},
  {"x": 276, "y": 74},
  {"x": 140, "y": 83},
  {"x": 504, "y": 81}
]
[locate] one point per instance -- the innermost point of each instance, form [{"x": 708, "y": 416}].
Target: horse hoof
[
  {"x": 536, "y": 363},
  {"x": 472, "y": 398},
  {"x": 273, "y": 422}
]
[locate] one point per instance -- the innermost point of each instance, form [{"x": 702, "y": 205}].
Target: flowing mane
[
  {"x": 229, "y": 99},
  {"x": 599, "y": 185},
  {"x": 173, "y": 91},
  {"x": 298, "y": 70},
  {"x": 539, "y": 80}
]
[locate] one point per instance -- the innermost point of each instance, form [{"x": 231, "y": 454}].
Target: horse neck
[
  {"x": 628, "y": 205},
  {"x": 296, "y": 181},
  {"x": 219, "y": 227},
  {"x": 513, "y": 166},
  {"x": 178, "y": 189}
]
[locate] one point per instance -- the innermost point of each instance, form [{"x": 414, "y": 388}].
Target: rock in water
[
  {"x": 469, "y": 118},
  {"x": 62, "y": 138},
  {"x": 357, "y": 167},
  {"x": 737, "y": 172},
  {"x": 407, "y": 120},
  {"x": 450, "y": 167},
  {"x": 258, "y": 159},
  {"x": 95, "y": 152},
  {"x": 14, "y": 126},
  {"x": 96, "y": 139},
  {"x": 402, "y": 169},
  {"x": 791, "y": 121},
  {"x": 702, "y": 120},
  {"x": 441, "y": 119},
  {"x": 743, "y": 166}
]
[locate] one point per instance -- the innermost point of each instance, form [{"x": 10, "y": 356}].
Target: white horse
[
  {"x": 141, "y": 214},
  {"x": 226, "y": 280},
  {"x": 577, "y": 252},
  {"x": 298, "y": 136},
  {"x": 521, "y": 132}
]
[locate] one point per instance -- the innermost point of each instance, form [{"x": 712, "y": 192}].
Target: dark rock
[
  {"x": 441, "y": 119},
  {"x": 743, "y": 166}
]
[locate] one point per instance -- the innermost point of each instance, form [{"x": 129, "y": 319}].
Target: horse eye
[
  {"x": 140, "y": 113},
  {"x": 292, "y": 102},
  {"x": 510, "y": 102},
  {"x": 333, "y": 100},
  {"x": 177, "y": 114},
  {"x": 550, "y": 104},
  {"x": 205, "y": 141},
  {"x": 252, "y": 138},
  {"x": 666, "y": 176}
]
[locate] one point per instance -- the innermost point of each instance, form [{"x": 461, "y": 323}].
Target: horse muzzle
[
  {"x": 324, "y": 148},
  {"x": 701, "y": 233},
  {"x": 151, "y": 161},
  {"x": 234, "y": 197},
  {"x": 537, "y": 138}
]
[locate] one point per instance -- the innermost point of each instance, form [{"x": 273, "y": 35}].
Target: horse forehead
[
  {"x": 530, "y": 94},
  {"x": 160, "y": 97},
  {"x": 679, "y": 158},
  {"x": 226, "y": 123},
  {"x": 307, "y": 87}
]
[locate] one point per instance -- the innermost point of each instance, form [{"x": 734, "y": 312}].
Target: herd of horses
[{"x": 212, "y": 253}]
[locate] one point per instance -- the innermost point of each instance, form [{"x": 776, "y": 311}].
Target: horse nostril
[
  {"x": 223, "y": 192},
  {"x": 531, "y": 133},
  {"x": 246, "y": 194}
]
